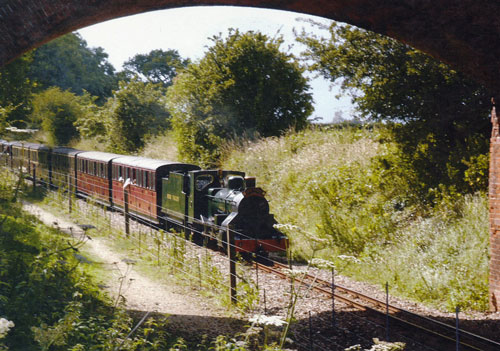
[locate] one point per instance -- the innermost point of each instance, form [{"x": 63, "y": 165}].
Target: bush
[
  {"x": 57, "y": 111},
  {"x": 358, "y": 195}
]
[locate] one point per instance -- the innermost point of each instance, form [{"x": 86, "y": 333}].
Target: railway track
[{"x": 436, "y": 334}]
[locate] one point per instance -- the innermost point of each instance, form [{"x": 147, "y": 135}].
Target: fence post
[
  {"x": 70, "y": 192},
  {"x": 257, "y": 276},
  {"x": 34, "y": 177},
  {"x": 127, "y": 216},
  {"x": 387, "y": 311},
  {"x": 311, "y": 346},
  {"x": 333, "y": 297},
  {"x": 457, "y": 326},
  {"x": 265, "y": 303},
  {"x": 232, "y": 264}
]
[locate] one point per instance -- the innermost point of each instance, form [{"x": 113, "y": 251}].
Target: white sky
[{"x": 187, "y": 30}]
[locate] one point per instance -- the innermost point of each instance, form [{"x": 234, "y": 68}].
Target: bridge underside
[{"x": 462, "y": 33}]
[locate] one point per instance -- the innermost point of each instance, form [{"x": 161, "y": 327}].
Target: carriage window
[
  {"x": 102, "y": 170},
  {"x": 146, "y": 179},
  {"x": 152, "y": 181},
  {"x": 127, "y": 173}
]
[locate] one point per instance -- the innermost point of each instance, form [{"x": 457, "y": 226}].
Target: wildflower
[
  {"x": 292, "y": 272},
  {"x": 348, "y": 258},
  {"x": 267, "y": 320},
  {"x": 5, "y": 326},
  {"x": 320, "y": 263},
  {"x": 287, "y": 226}
]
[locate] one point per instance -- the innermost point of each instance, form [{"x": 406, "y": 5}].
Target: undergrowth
[
  {"x": 349, "y": 192},
  {"x": 49, "y": 302}
]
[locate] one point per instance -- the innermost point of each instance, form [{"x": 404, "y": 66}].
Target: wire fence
[{"x": 225, "y": 277}]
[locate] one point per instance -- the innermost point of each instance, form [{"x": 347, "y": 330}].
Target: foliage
[
  {"x": 68, "y": 63},
  {"x": 57, "y": 111},
  {"x": 161, "y": 146},
  {"x": 93, "y": 121},
  {"x": 158, "y": 66},
  {"x": 442, "y": 114},
  {"x": 135, "y": 111},
  {"x": 243, "y": 85},
  {"x": 15, "y": 91},
  {"x": 354, "y": 191}
]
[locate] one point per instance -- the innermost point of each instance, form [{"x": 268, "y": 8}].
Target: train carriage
[
  {"x": 145, "y": 187},
  {"x": 19, "y": 156},
  {"x": 38, "y": 161},
  {"x": 5, "y": 152},
  {"x": 63, "y": 166},
  {"x": 93, "y": 170}
]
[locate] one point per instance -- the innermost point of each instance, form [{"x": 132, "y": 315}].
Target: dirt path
[{"x": 187, "y": 309}]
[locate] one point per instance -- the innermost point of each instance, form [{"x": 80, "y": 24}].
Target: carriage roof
[
  {"x": 149, "y": 163},
  {"x": 97, "y": 156},
  {"x": 63, "y": 150}
]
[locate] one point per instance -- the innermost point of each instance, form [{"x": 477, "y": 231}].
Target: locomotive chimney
[{"x": 250, "y": 182}]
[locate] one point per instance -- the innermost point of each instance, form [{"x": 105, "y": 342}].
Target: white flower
[
  {"x": 5, "y": 326},
  {"x": 267, "y": 320},
  {"x": 318, "y": 262},
  {"x": 348, "y": 258},
  {"x": 292, "y": 272}
]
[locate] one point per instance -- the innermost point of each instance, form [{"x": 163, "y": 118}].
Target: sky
[{"x": 187, "y": 30}]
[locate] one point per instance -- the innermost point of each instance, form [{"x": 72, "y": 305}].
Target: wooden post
[
  {"x": 34, "y": 177},
  {"x": 127, "y": 216},
  {"x": 231, "y": 254},
  {"x": 70, "y": 193}
]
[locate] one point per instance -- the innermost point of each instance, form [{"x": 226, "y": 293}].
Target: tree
[
  {"x": 156, "y": 67},
  {"x": 57, "y": 111},
  {"x": 15, "y": 91},
  {"x": 135, "y": 111},
  {"x": 68, "y": 63},
  {"x": 243, "y": 85},
  {"x": 439, "y": 114}
]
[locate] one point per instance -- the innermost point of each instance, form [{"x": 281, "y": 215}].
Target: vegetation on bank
[
  {"x": 49, "y": 301},
  {"x": 347, "y": 194}
]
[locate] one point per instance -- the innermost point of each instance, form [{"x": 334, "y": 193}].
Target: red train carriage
[
  {"x": 145, "y": 187},
  {"x": 93, "y": 170}
]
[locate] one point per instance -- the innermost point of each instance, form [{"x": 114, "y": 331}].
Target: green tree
[
  {"x": 15, "y": 91},
  {"x": 158, "y": 66},
  {"x": 243, "y": 85},
  {"x": 68, "y": 63},
  {"x": 93, "y": 122},
  {"x": 440, "y": 116},
  {"x": 57, "y": 111},
  {"x": 135, "y": 111}
]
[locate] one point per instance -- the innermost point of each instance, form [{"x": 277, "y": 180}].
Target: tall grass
[{"x": 348, "y": 191}]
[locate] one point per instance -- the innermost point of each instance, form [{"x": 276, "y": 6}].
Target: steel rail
[{"x": 474, "y": 341}]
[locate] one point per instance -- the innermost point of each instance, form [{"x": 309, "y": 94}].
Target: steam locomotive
[{"x": 202, "y": 203}]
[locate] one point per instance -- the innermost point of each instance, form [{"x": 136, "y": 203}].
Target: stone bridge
[{"x": 462, "y": 33}]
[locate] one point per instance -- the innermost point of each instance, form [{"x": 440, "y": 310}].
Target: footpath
[{"x": 186, "y": 308}]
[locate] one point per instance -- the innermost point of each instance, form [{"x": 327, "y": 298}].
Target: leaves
[
  {"x": 244, "y": 85},
  {"x": 439, "y": 114}
]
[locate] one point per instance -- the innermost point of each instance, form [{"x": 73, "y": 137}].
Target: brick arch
[{"x": 463, "y": 33}]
